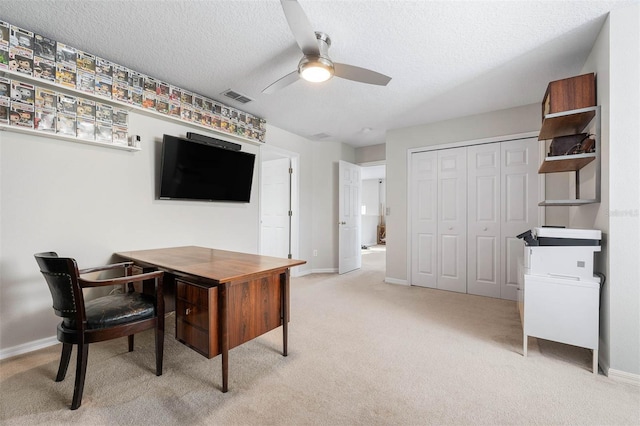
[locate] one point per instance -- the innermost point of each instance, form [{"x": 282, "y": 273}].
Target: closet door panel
[
  {"x": 483, "y": 231},
  {"x": 452, "y": 220},
  {"x": 520, "y": 161},
  {"x": 424, "y": 218}
]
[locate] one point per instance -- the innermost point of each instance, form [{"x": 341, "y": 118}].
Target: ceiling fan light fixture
[{"x": 315, "y": 70}]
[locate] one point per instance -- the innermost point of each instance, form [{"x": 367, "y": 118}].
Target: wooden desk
[{"x": 223, "y": 298}]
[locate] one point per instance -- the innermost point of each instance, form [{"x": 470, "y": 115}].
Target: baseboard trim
[
  {"x": 28, "y": 347},
  {"x": 324, "y": 271},
  {"x": 624, "y": 377},
  {"x": 390, "y": 280}
]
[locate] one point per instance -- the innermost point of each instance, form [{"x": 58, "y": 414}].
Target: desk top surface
[{"x": 212, "y": 264}]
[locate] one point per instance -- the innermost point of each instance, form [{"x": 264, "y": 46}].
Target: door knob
[
  {"x": 484, "y": 229},
  {"x": 342, "y": 223}
]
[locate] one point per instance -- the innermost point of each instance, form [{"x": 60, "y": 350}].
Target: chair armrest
[
  {"x": 84, "y": 283},
  {"x": 106, "y": 267}
]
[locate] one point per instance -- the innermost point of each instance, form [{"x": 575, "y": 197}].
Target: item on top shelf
[
  {"x": 66, "y": 55},
  {"x": 66, "y": 75},
  {"x": 44, "y": 48},
  {"x": 67, "y": 104},
  {"x": 44, "y": 69},
  {"x": 86, "y": 62},
  {"x": 4, "y": 34},
  {"x": 85, "y": 81}
]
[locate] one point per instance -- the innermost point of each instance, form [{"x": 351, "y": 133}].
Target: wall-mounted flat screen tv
[{"x": 193, "y": 170}]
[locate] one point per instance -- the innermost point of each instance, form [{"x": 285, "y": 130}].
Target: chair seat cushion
[{"x": 115, "y": 309}]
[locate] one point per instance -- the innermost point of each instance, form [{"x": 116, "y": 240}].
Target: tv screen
[{"x": 199, "y": 171}]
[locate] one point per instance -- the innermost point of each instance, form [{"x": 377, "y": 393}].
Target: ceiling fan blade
[
  {"x": 300, "y": 27},
  {"x": 282, "y": 83},
  {"x": 362, "y": 75}
]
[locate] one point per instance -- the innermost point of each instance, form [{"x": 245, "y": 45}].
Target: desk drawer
[
  {"x": 192, "y": 293},
  {"x": 198, "y": 339},
  {"x": 193, "y": 314}
]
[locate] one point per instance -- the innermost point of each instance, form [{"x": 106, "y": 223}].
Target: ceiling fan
[{"x": 315, "y": 65}]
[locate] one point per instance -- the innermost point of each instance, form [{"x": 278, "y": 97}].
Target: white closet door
[
  {"x": 424, "y": 218},
  {"x": 483, "y": 232},
  {"x": 452, "y": 219},
  {"x": 520, "y": 161}
]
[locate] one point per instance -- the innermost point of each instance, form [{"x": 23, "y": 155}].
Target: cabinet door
[
  {"x": 520, "y": 160},
  {"x": 424, "y": 218},
  {"x": 483, "y": 232},
  {"x": 452, "y": 219}
]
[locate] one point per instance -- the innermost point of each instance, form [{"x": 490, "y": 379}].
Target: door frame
[
  {"x": 471, "y": 142},
  {"x": 294, "y": 235}
]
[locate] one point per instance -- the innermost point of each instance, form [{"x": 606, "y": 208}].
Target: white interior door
[
  {"x": 424, "y": 218},
  {"x": 452, "y": 219},
  {"x": 275, "y": 207},
  {"x": 349, "y": 217},
  {"x": 484, "y": 222},
  {"x": 520, "y": 161}
]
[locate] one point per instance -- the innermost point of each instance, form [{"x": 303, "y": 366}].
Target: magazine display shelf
[{"x": 139, "y": 110}]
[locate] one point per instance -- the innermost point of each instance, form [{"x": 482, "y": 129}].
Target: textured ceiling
[{"x": 447, "y": 58}]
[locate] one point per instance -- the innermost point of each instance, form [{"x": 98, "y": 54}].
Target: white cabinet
[{"x": 562, "y": 310}]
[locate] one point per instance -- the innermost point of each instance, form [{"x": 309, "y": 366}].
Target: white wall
[
  {"x": 498, "y": 123},
  {"x": 326, "y": 156},
  {"x": 88, "y": 202},
  {"x": 615, "y": 58}
]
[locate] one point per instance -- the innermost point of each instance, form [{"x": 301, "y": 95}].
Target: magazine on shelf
[
  {"x": 135, "y": 93},
  {"x": 22, "y": 38},
  {"x": 103, "y": 86},
  {"x": 104, "y": 132},
  {"x": 104, "y": 113},
  {"x": 66, "y": 55},
  {"x": 163, "y": 90},
  {"x": 21, "y": 115},
  {"x": 120, "y": 135},
  {"x": 174, "y": 109},
  {"x": 86, "y": 129},
  {"x": 86, "y": 62},
  {"x": 44, "y": 47},
  {"x": 121, "y": 92},
  {"x": 121, "y": 75},
  {"x": 67, "y": 104},
  {"x": 23, "y": 92},
  {"x": 66, "y": 124},
  {"x": 45, "y": 99},
  {"x": 85, "y": 81},
  {"x": 44, "y": 68},
  {"x": 104, "y": 68},
  {"x": 175, "y": 95},
  {"x": 4, "y": 57},
  {"x": 20, "y": 62},
  {"x": 5, "y": 88},
  {"x": 162, "y": 106},
  {"x": 86, "y": 109},
  {"x": 4, "y": 110},
  {"x": 4, "y": 34},
  {"x": 150, "y": 85},
  {"x": 45, "y": 120},
  {"x": 186, "y": 98},
  {"x": 149, "y": 100},
  {"x": 66, "y": 75},
  {"x": 120, "y": 117}
]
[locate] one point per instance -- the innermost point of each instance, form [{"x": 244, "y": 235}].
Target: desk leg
[
  {"x": 223, "y": 303},
  {"x": 284, "y": 291}
]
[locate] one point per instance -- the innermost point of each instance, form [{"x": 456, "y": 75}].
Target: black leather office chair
[{"x": 104, "y": 318}]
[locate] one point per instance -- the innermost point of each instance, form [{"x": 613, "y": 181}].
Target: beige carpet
[{"x": 360, "y": 352}]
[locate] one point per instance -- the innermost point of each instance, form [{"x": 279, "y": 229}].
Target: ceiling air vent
[
  {"x": 238, "y": 97},
  {"x": 320, "y": 136}
]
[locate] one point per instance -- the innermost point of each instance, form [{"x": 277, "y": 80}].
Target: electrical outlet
[{"x": 315, "y": 253}]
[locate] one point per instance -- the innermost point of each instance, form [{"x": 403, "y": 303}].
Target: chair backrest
[{"x": 61, "y": 274}]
